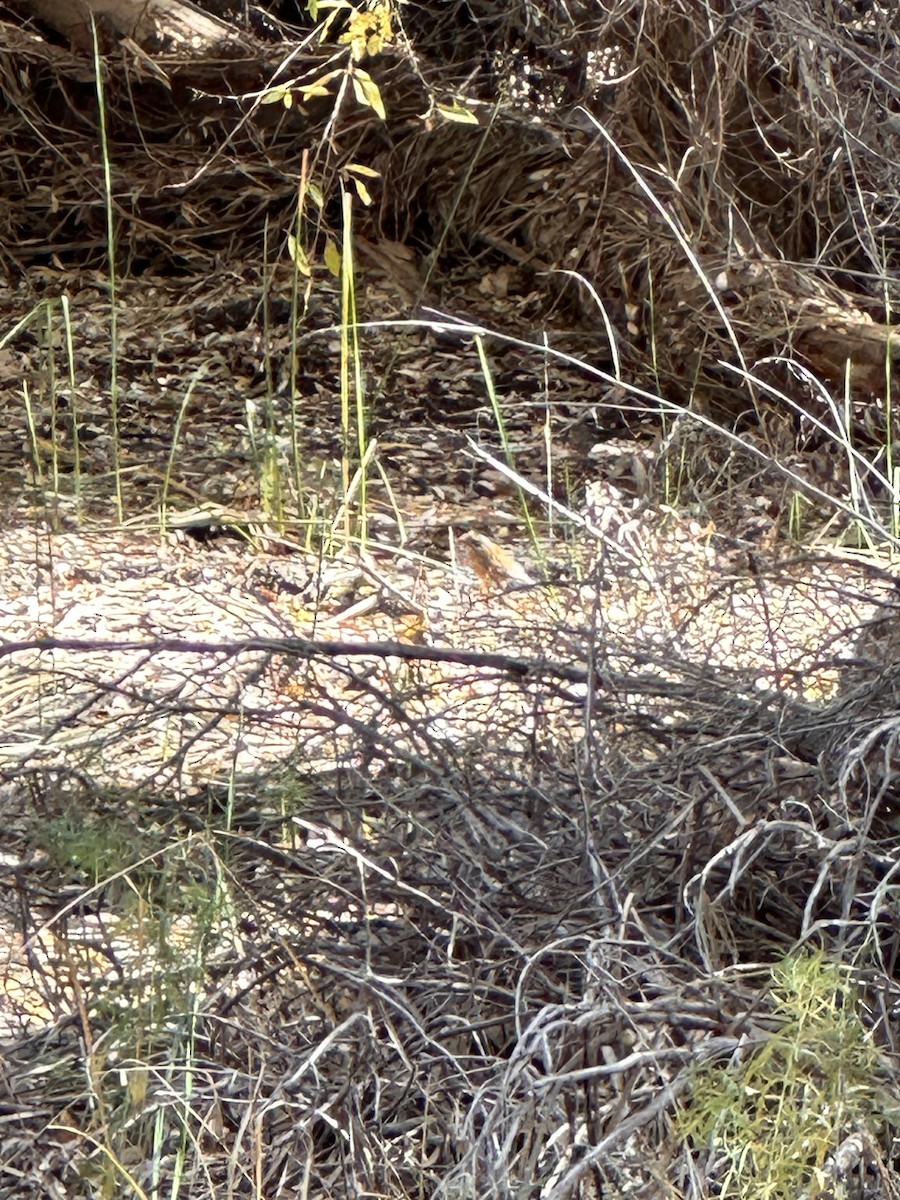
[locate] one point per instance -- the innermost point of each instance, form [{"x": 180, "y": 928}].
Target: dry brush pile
[
  {"x": 477, "y": 923},
  {"x": 708, "y": 191}
]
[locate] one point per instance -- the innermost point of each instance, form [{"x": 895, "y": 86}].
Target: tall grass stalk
[
  {"x": 301, "y": 289},
  {"x": 844, "y": 437},
  {"x": 604, "y": 316},
  {"x": 161, "y": 1155},
  {"x": 73, "y": 399},
  {"x": 39, "y": 312},
  {"x": 33, "y": 435},
  {"x": 353, "y": 412},
  {"x": 795, "y": 517},
  {"x": 111, "y": 259},
  {"x": 891, "y": 469},
  {"x": 45, "y": 312},
  {"x": 402, "y": 536},
  {"x": 170, "y": 462},
  {"x": 52, "y": 397},
  {"x": 355, "y": 487},
  {"x": 500, "y": 422},
  {"x": 271, "y": 480},
  {"x": 672, "y": 474},
  {"x": 187, "y": 1136},
  {"x": 547, "y": 433}
]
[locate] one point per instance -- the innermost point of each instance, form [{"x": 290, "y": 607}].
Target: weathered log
[{"x": 173, "y": 25}]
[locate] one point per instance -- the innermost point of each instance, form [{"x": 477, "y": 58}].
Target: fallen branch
[{"x": 307, "y": 648}]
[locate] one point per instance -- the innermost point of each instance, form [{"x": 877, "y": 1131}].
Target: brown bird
[{"x": 494, "y": 566}]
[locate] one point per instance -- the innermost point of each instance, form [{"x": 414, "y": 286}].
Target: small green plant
[
  {"x": 138, "y": 985},
  {"x": 91, "y": 848},
  {"x": 773, "y": 1116}
]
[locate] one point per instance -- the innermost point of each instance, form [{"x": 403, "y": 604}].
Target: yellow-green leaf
[
  {"x": 315, "y": 194},
  {"x": 367, "y": 93},
  {"x": 326, "y": 25},
  {"x": 333, "y": 258},
  {"x": 363, "y": 192},
  {"x": 456, "y": 112},
  {"x": 359, "y": 169},
  {"x": 274, "y": 95},
  {"x": 298, "y": 256},
  {"x": 318, "y": 87}
]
